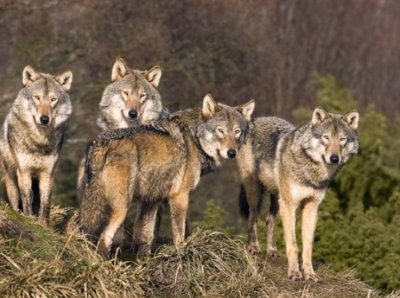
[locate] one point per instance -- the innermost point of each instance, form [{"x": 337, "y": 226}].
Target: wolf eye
[
  {"x": 125, "y": 93},
  {"x": 143, "y": 97},
  {"x": 238, "y": 131},
  {"x": 325, "y": 137},
  {"x": 343, "y": 139},
  {"x": 53, "y": 99},
  {"x": 220, "y": 131},
  {"x": 37, "y": 97}
]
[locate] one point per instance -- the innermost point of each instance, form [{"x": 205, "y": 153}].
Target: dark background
[{"x": 273, "y": 51}]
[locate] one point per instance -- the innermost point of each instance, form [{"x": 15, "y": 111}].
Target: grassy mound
[
  {"x": 41, "y": 263},
  {"x": 35, "y": 261}
]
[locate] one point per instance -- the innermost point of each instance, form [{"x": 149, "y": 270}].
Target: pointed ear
[
  {"x": 319, "y": 115},
  {"x": 247, "y": 109},
  {"x": 153, "y": 75},
  {"x": 29, "y": 75},
  {"x": 209, "y": 106},
  {"x": 352, "y": 119},
  {"x": 65, "y": 80},
  {"x": 119, "y": 70}
]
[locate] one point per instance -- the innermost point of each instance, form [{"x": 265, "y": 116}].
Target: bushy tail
[
  {"x": 243, "y": 204},
  {"x": 93, "y": 204}
]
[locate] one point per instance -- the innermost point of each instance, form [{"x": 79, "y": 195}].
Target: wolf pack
[{"x": 146, "y": 156}]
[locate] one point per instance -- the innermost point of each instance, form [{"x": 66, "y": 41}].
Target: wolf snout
[
  {"x": 231, "y": 153},
  {"x": 334, "y": 158},
  {"x": 132, "y": 114},
  {"x": 44, "y": 120}
]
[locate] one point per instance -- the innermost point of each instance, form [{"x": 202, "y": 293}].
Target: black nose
[
  {"x": 132, "y": 114},
  {"x": 231, "y": 153},
  {"x": 44, "y": 119},
  {"x": 334, "y": 158}
]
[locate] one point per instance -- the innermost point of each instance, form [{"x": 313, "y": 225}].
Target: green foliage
[
  {"x": 359, "y": 218},
  {"x": 360, "y": 240},
  {"x": 213, "y": 218},
  {"x": 65, "y": 184}
]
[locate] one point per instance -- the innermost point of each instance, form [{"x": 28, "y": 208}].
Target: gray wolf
[
  {"x": 32, "y": 136},
  {"x": 296, "y": 166},
  {"x": 131, "y": 98},
  {"x": 145, "y": 164}
]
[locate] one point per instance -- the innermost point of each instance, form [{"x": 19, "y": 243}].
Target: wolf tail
[{"x": 93, "y": 204}]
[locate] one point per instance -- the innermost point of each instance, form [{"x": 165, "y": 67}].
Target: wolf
[
  {"x": 296, "y": 166},
  {"x": 131, "y": 98},
  {"x": 32, "y": 137},
  {"x": 148, "y": 163}
]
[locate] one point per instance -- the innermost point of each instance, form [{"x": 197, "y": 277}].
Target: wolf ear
[
  {"x": 65, "y": 80},
  {"x": 153, "y": 75},
  {"x": 319, "y": 115},
  {"x": 29, "y": 75},
  {"x": 209, "y": 106},
  {"x": 247, "y": 109},
  {"x": 119, "y": 70},
  {"x": 352, "y": 120}
]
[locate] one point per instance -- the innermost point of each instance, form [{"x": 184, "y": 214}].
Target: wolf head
[
  {"x": 132, "y": 96},
  {"x": 224, "y": 128},
  {"x": 44, "y": 98},
  {"x": 333, "y": 138}
]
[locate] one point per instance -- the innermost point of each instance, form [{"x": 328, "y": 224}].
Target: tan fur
[
  {"x": 32, "y": 136},
  {"x": 296, "y": 167},
  {"x": 148, "y": 163}
]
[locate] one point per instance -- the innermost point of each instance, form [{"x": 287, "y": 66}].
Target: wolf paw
[
  {"x": 141, "y": 249},
  {"x": 273, "y": 253},
  {"x": 295, "y": 275},
  {"x": 254, "y": 249},
  {"x": 103, "y": 250},
  {"x": 311, "y": 276}
]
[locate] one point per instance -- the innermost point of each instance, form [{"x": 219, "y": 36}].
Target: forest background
[{"x": 288, "y": 55}]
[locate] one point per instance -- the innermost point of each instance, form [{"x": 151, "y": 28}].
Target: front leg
[
  {"x": 252, "y": 192},
  {"x": 12, "y": 189},
  {"x": 178, "y": 206},
  {"x": 309, "y": 218},
  {"x": 25, "y": 186},
  {"x": 45, "y": 185},
  {"x": 288, "y": 215}
]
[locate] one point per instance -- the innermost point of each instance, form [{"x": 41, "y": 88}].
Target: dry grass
[{"x": 37, "y": 262}]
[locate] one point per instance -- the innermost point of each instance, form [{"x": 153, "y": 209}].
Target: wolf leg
[
  {"x": 117, "y": 180},
  {"x": 309, "y": 221},
  {"x": 157, "y": 225},
  {"x": 117, "y": 217},
  {"x": 25, "y": 185},
  {"x": 253, "y": 193},
  {"x": 288, "y": 214},
  {"x": 144, "y": 227},
  {"x": 178, "y": 205},
  {"x": 12, "y": 189},
  {"x": 272, "y": 250},
  {"x": 45, "y": 184}
]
